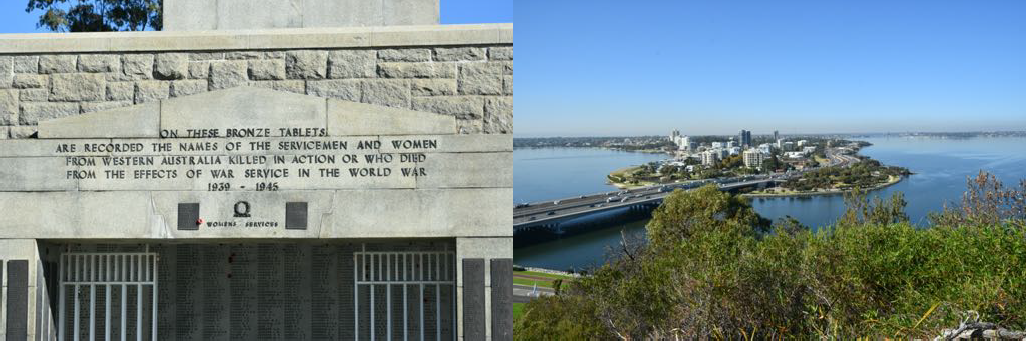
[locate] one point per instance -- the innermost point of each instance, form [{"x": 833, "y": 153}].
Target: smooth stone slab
[
  {"x": 240, "y": 108},
  {"x": 466, "y": 170},
  {"x": 351, "y": 118},
  {"x": 422, "y": 212},
  {"x": 113, "y": 215},
  {"x": 137, "y": 121},
  {"x": 463, "y": 143},
  {"x": 263, "y": 207},
  {"x": 188, "y": 15}
]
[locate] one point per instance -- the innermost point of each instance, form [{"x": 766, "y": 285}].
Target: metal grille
[
  {"x": 416, "y": 280},
  {"x": 126, "y": 284}
]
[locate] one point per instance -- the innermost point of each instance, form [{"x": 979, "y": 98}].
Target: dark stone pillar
[{"x": 473, "y": 299}]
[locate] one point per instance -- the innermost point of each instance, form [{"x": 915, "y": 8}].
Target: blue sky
[{"x": 714, "y": 67}]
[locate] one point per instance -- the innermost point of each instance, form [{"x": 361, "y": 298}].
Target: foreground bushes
[{"x": 709, "y": 272}]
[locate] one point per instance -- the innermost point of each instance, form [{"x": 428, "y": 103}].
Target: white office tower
[
  {"x": 710, "y": 157},
  {"x": 717, "y": 145},
  {"x": 734, "y": 150},
  {"x": 764, "y": 148},
  {"x": 753, "y": 158}
]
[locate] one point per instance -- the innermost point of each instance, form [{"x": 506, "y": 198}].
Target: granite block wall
[{"x": 473, "y": 83}]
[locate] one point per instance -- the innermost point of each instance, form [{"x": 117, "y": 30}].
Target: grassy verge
[{"x": 518, "y": 310}]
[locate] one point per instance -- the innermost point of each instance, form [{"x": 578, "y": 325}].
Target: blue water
[{"x": 940, "y": 166}]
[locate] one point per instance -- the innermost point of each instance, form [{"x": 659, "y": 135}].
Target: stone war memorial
[{"x": 259, "y": 170}]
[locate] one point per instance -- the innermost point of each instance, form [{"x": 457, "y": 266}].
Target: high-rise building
[
  {"x": 745, "y": 138},
  {"x": 776, "y": 135},
  {"x": 674, "y": 134}
]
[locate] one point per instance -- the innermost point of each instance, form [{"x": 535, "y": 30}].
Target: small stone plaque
[
  {"x": 188, "y": 216},
  {"x": 295, "y": 215}
]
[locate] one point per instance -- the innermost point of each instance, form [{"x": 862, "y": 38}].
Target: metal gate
[
  {"x": 421, "y": 282},
  {"x": 108, "y": 296}
]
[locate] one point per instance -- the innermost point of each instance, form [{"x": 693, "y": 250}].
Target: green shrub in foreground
[{"x": 709, "y": 275}]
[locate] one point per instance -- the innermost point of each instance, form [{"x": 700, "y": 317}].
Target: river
[{"x": 940, "y": 166}]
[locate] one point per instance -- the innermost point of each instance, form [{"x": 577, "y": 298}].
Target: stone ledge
[{"x": 293, "y": 38}]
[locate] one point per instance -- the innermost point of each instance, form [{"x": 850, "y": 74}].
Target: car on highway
[
  {"x": 624, "y": 199},
  {"x": 612, "y": 199},
  {"x": 522, "y": 205},
  {"x": 555, "y": 202}
]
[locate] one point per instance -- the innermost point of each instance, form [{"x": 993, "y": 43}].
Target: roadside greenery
[{"x": 713, "y": 269}]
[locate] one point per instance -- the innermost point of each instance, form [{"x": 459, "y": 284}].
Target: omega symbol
[{"x": 242, "y": 209}]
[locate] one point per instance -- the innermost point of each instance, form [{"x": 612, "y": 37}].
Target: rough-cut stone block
[
  {"x": 306, "y": 64},
  {"x": 99, "y": 63},
  {"x": 137, "y": 66},
  {"x": 433, "y": 87},
  {"x": 88, "y": 107},
  {"x": 500, "y": 53},
  {"x": 267, "y": 69},
  {"x": 295, "y": 86},
  {"x": 171, "y": 66},
  {"x": 124, "y": 122},
  {"x": 26, "y": 64},
  {"x": 77, "y": 87},
  {"x": 60, "y": 63},
  {"x": 498, "y": 115},
  {"x": 206, "y": 56},
  {"x": 29, "y": 80},
  {"x": 507, "y": 85},
  {"x": 227, "y": 74},
  {"x": 199, "y": 70},
  {"x": 255, "y": 55},
  {"x": 480, "y": 79},
  {"x": 8, "y": 107},
  {"x": 453, "y": 54},
  {"x": 352, "y": 64},
  {"x": 5, "y": 133},
  {"x": 470, "y": 126},
  {"x": 417, "y": 70},
  {"x": 33, "y": 112},
  {"x": 22, "y": 132},
  {"x": 347, "y": 89},
  {"x": 502, "y": 298},
  {"x": 120, "y": 91},
  {"x": 405, "y": 55},
  {"x": 459, "y": 106},
  {"x": 473, "y": 299},
  {"x": 351, "y": 118},
  {"x": 146, "y": 91},
  {"x": 34, "y": 95},
  {"x": 188, "y": 87},
  {"x": 6, "y": 72},
  {"x": 387, "y": 92}
]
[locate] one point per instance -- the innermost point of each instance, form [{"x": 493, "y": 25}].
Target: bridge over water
[{"x": 548, "y": 214}]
